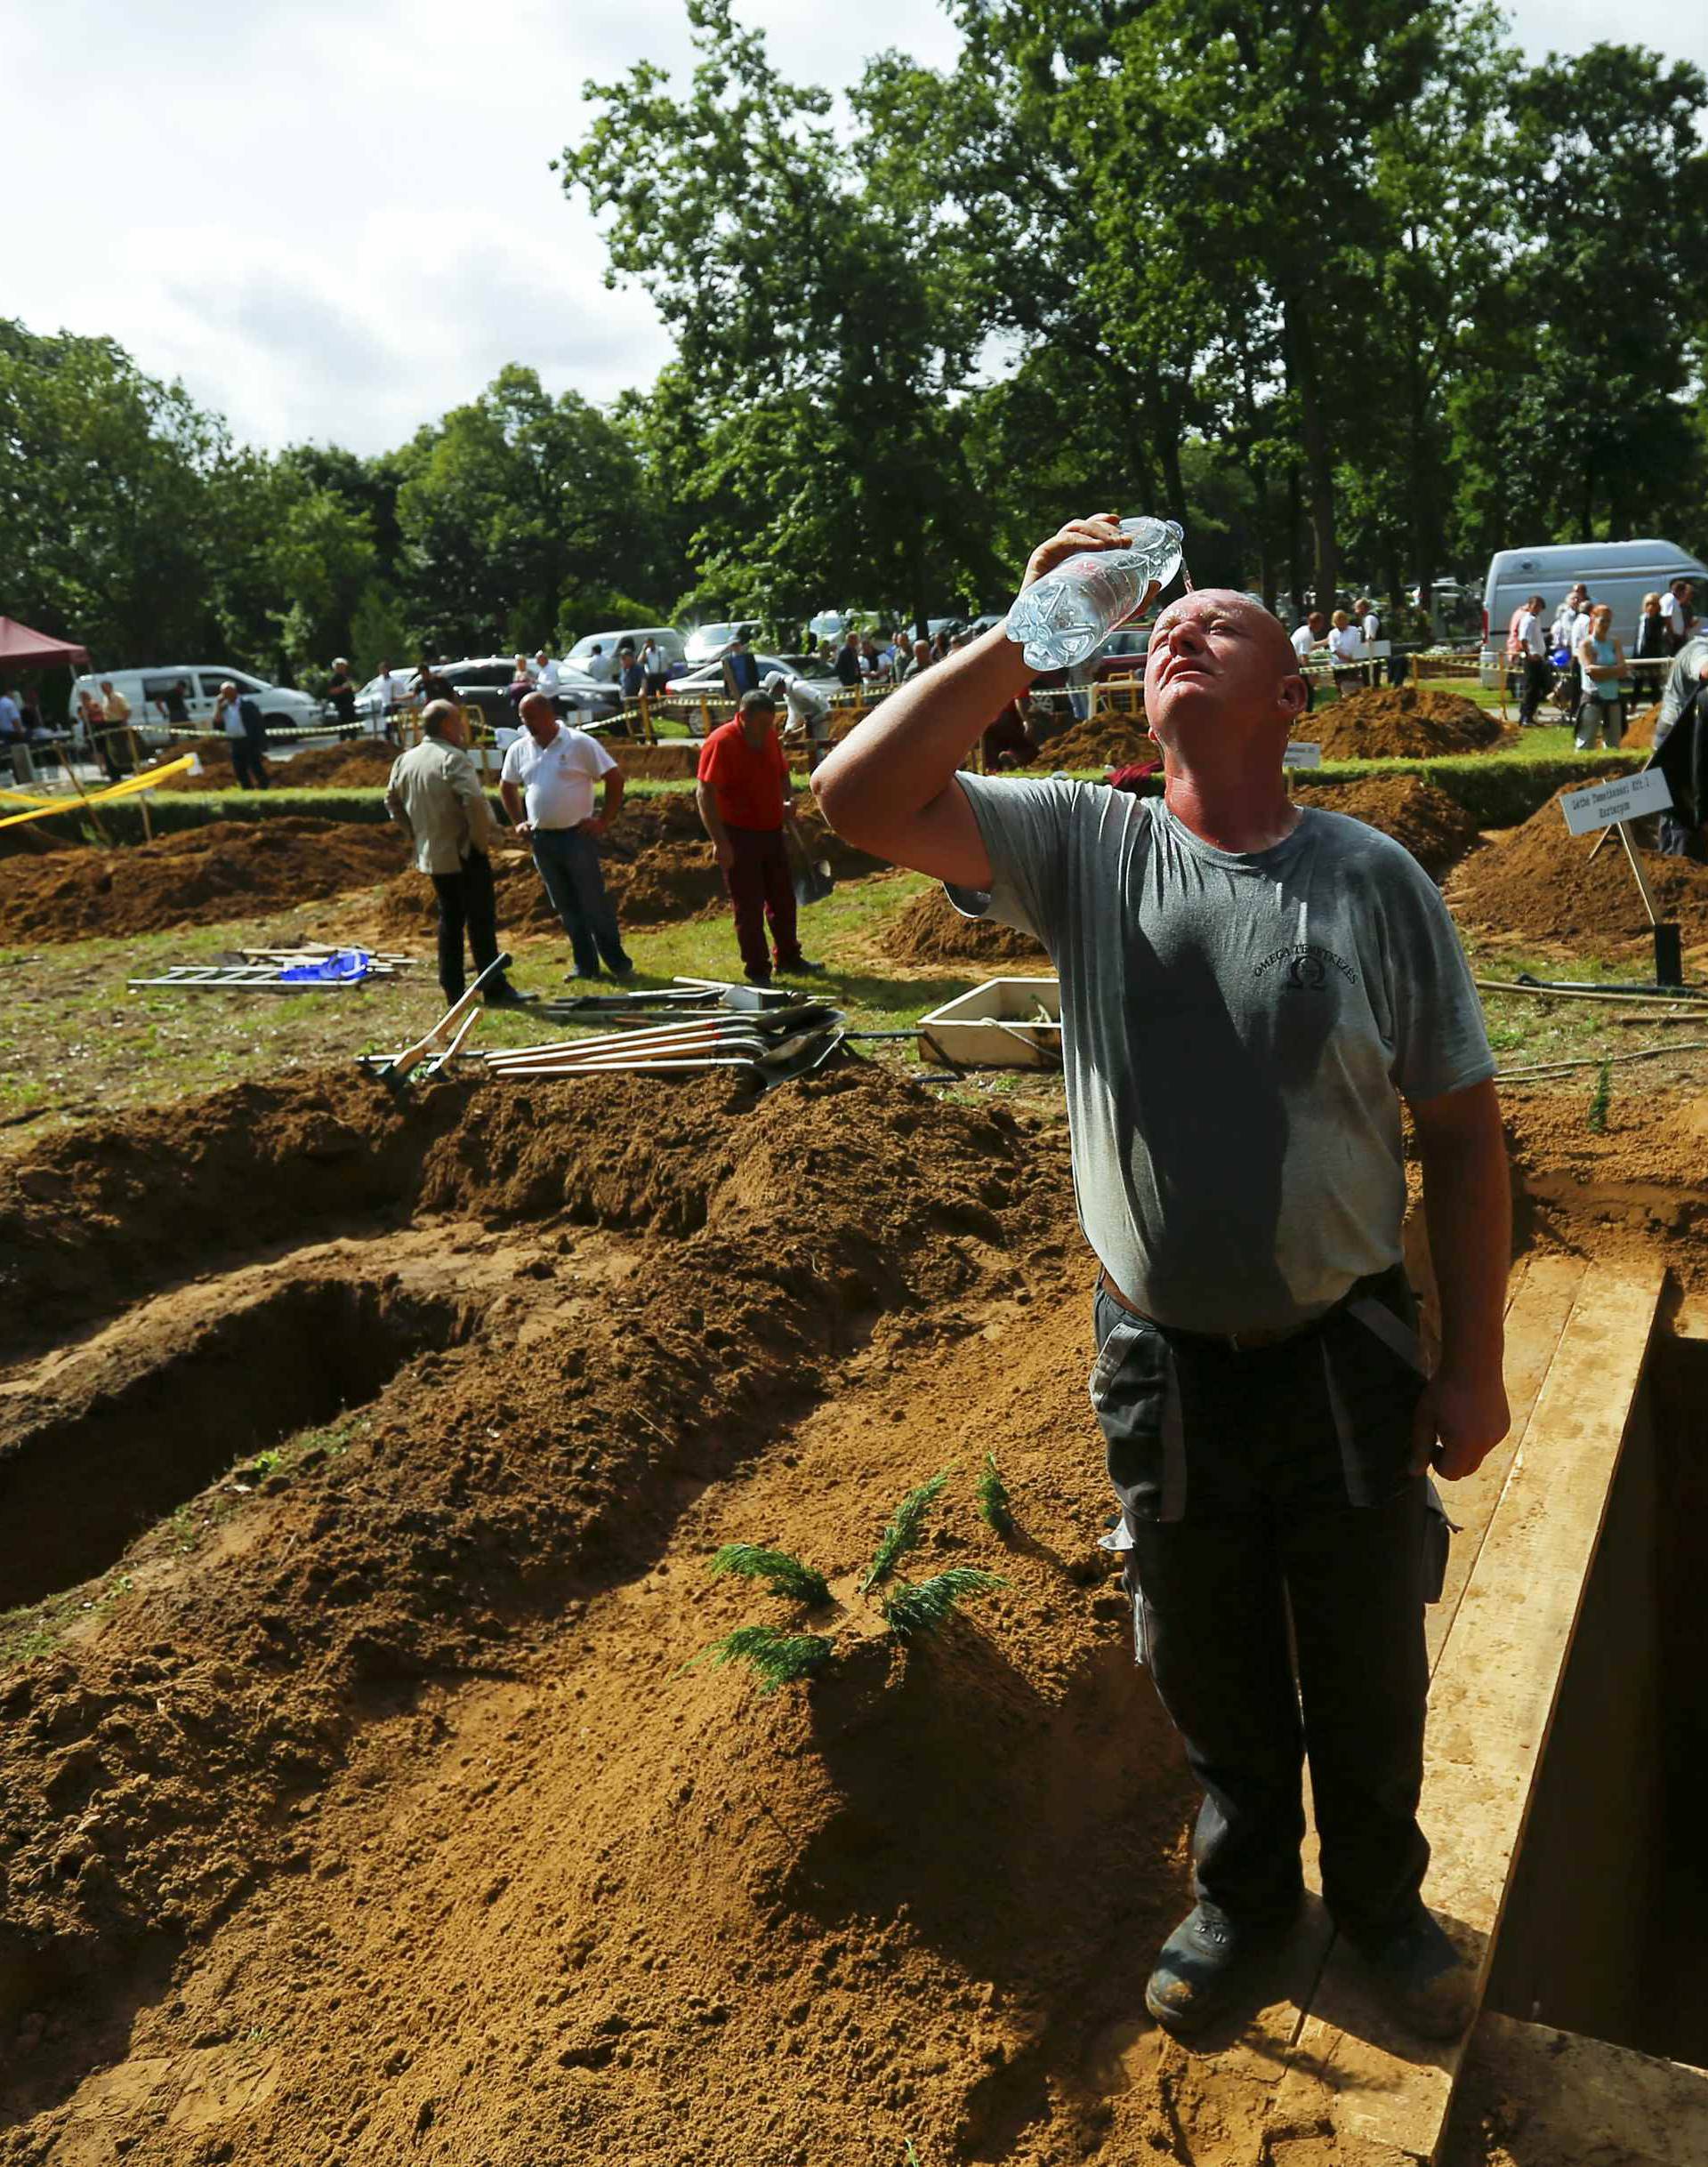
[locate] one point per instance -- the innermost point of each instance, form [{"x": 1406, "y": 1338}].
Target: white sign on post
[
  {"x": 1299, "y": 755},
  {"x": 1600, "y": 804}
]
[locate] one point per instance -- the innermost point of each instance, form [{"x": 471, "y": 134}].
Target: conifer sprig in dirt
[
  {"x": 995, "y": 1508},
  {"x": 783, "y": 1575},
  {"x": 923, "y": 1606},
  {"x": 904, "y": 1531},
  {"x": 779, "y": 1658}
]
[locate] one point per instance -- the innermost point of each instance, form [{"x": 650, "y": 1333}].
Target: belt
[{"x": 1236, "y": 1342}]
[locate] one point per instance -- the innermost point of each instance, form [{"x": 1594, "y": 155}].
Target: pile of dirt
[
  {"x": 466, "y": 1616},
  {"x": 227, "y": 869},
  {"x": 658, "y": 867},
  {"x": 1401, "y": 722},
  {"x": 1541, "y": 883},
  {"x": 360, "y": 763},
  {"x": 663, "y": 764},
  {"x": 1435, "y": 828},
  {"x": 1105, "y": 743},
  {"x": 931, "y": 931},
  {"x": 1640, "y": 731}
]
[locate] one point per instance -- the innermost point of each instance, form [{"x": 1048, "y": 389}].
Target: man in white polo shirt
[{"x": 547, "y": 785}]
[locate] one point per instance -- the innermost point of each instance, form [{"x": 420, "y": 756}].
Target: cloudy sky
[{"x": 335, "y": 220}]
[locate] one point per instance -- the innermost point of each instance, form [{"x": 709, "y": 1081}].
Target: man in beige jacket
[{"x": 435, "y": 796}]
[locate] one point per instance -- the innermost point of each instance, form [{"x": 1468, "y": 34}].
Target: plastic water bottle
[{"x": 1067, "y": 616}]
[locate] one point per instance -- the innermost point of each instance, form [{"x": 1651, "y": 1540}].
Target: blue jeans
[
  {"x": 1263, "y": 1489},
  {"x": 566, "y": 859}
]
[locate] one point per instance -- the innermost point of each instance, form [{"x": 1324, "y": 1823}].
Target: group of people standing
[
  {"x": 1580, "y": 645},
  {"x": 1346, "y": 639}
]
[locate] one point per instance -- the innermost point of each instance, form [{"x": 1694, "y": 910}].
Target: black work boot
[
  {"x": 1422, "y": 1977},
  {"x": 1205, "y": 1965}
]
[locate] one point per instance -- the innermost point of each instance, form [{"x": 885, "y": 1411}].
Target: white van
[
  {"x": 149, "y": 691},
  {"x": 1620, "y": 572}
]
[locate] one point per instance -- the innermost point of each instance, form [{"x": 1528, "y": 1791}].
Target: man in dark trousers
[
  {"x": 740, "y": 667},
  {"x": 1249, "y": 987},
  {"x": 435, "y": 795},
  {"x": 744, "y": 797}
]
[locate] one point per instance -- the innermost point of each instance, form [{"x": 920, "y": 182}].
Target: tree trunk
[
  {"x": 1313, "y": 437},
  {"x": 1295, "y": 554}
]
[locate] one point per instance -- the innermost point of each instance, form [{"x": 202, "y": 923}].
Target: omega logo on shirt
[{"x": 1307, "y": 966}]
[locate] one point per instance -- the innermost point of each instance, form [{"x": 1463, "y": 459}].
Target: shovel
[{"x": 394, "y": 1071}]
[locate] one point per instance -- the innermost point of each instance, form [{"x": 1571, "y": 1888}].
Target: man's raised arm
[{"x": 889, "y": 787}]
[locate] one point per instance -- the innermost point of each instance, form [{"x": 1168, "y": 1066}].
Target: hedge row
[
  {"x": 171, "y": 810},
  {"x": 1496, "y": 789}
]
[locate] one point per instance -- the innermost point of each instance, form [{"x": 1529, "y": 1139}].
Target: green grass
[
  {"x": 36, "y": 1629},
  {"x": 906, "y": 1526}
]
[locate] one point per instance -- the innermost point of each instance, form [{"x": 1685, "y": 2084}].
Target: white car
[
  {"x": 153, "y": 691},
  {"x": 710, "y": 679},
  {"x": 666, "y": 638},
  {"x": 706, "y": 642}
]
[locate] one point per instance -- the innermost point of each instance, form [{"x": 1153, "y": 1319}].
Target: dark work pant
[
  {"x": 465, "y": 903},
  {"x": 246, "y": 763},
  {"x": 1259, "y": 1488},
  {"x": 566, "y": 859},
  {"x": 1537, "y": 679},
  {"x": 761, "y": 887}
]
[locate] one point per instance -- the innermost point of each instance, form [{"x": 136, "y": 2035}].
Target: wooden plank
[
  {"x": 1535, "y": 1320},
  {"x": 1558, "y": 2099},
  {"x": 1491, "y": 1706}
]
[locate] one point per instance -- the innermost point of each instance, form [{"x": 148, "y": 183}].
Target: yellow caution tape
[{"x": 128, "y": 788}]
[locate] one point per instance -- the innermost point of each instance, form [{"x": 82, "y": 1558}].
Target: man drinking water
[{"x": 1249, "y": 989}]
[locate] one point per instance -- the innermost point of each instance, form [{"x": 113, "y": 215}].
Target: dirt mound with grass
[
  {"x": 619, "y": 1326},
  {"x": 1401, "y": 722},
  {"x": 1103, "y": 744},
  {"x": 929, "y": 929},
  {"x": 1434, "y": 828},
  {"x": 1538, "y": 882},
  {"x": 227, "y": 869},
  {"x": 658, "y": 868},
  {"x": 356, "y": 764}
]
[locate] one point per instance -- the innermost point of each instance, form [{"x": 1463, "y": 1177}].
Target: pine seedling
[
  {"x": 922, "y": 1607},
  {"x": 995, "y": 1507},
  {"x": 782, "y": 1575},
  {"x": 779, "y": 1658},
  {"x": 1600, "y": 1099},
  {"x": 904, "y": 1531}
]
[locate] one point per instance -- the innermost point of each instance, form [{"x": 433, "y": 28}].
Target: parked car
[
  {"x": 1619, "y": 573},
  {"x": 665, "y": 637},
  {"x": 484, "y": 681},
  {"x": 710, "y": 679},
  {"x": 282, "y": 708},
  {"x": 706, "y": 642}
]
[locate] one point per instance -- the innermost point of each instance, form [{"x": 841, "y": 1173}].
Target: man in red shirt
[{"x": 744, "y": 797}]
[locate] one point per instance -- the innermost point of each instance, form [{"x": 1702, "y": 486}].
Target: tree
[
  {"x": 519, "y": 511},
  {"x": 822, "y": 344},
  {"x": 104, "y": 506}
]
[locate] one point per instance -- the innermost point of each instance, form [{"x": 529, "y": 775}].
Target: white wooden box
[{"x": 1005, "y": 1023}]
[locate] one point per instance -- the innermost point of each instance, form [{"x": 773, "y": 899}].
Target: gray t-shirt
[{"x": 1235, "y": 1032}]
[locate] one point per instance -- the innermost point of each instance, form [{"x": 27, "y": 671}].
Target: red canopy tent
[{"x": 23, "y": 649}]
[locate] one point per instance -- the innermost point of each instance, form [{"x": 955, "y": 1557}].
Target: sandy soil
[
  {"x": 1401, "y": 723},
  {"x": 1537, "y": 882},
  {"x": 228, "y": 869},
  {"x": 367, "y": 1811}
]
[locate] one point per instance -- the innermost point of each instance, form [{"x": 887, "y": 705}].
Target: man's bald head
[
  {"x": 539, "y": 718},
  {"x": 1218, "y": 656}
]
